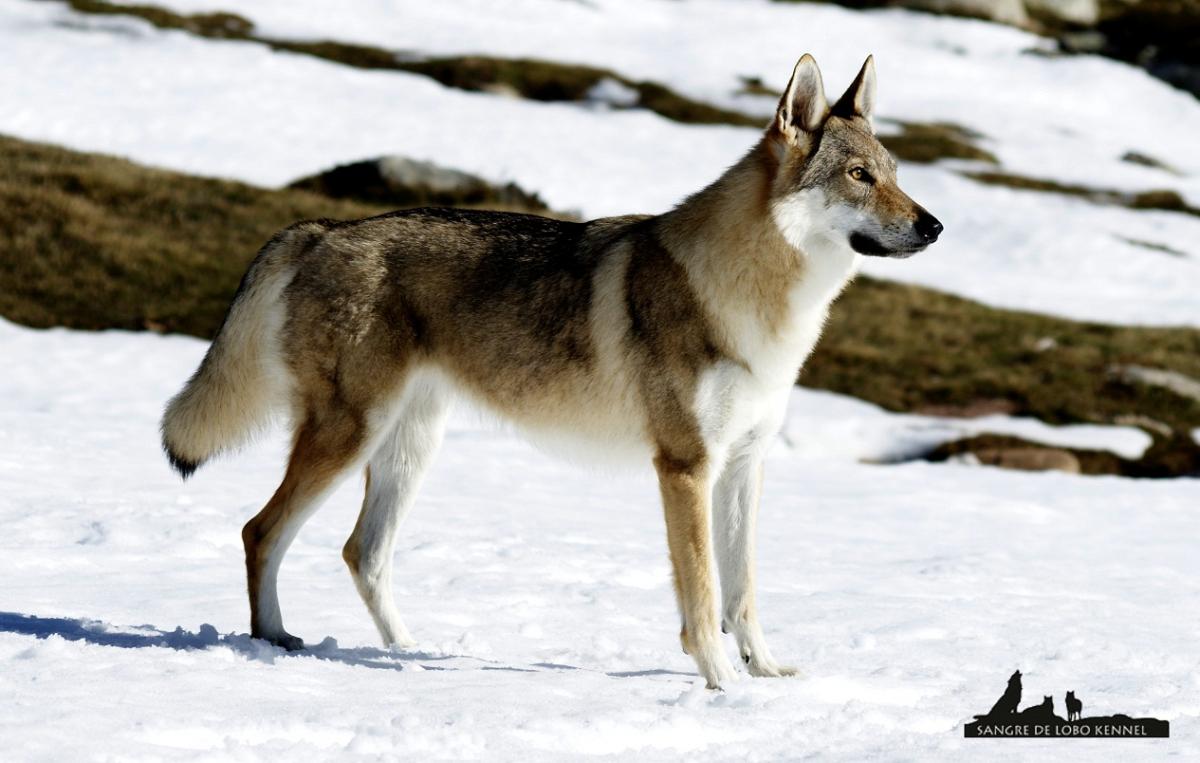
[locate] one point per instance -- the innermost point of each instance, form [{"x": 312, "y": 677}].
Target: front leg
[
  {"x": 736, "y": 514},
  {"x": 686, "y": 497}
]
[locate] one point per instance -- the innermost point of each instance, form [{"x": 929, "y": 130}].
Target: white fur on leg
[
  {"x": 754, "y": 650},
  {"x": 735, "y": 514},
  {"x": 396, "y": 468}
]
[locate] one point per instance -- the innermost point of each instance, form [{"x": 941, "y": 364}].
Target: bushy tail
[{"x": 241, "y": 380}]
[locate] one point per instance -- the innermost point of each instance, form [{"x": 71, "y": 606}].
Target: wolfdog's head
[{"x": 834, "y": 181}]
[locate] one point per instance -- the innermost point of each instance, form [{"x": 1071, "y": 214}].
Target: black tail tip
[{"x": 182, "y": 465}]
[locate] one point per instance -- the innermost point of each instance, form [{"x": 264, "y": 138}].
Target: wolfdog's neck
[{"x": 737, "y": 259}]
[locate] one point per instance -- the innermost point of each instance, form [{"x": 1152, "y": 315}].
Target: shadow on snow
[{"x": 142, "y": 636}]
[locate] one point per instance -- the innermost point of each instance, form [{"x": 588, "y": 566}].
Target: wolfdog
[{"x": 677, "y": 336}]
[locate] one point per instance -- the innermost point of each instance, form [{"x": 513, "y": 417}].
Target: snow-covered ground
[
  {"x": 540, "y": 592},
  {"x": 540, "y": 595},
  {"x": 824, "y": 424},
  {"x": 237, "y": 109}
]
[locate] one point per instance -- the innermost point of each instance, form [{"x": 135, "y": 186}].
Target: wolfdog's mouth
[{"x": 864, "y": 244}]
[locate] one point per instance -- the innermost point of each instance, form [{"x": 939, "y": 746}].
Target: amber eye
[{"x": 859, "y": 173}]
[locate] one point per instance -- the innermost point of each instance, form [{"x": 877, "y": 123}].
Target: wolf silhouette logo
[
  {"x": 1005, "y": 719},
  {"x": 1043, "y": 713},
  {"x": 1074, "y": 707},
  {"x": 1008, "y": 702}
]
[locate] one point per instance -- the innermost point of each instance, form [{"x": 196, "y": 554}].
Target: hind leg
[
  {"x": 393, "y": 475},
  {"x": 325, "y": 450}
]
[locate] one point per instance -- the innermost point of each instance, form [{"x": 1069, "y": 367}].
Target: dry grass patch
[
  {"x": 907, "y": 348},
  {"x": 221, "y": 25},
  {"x": 1160, "y": 199},
  {"x": 528, "y": 78},
  {"x": 398, "y": 182},
  {"x": 927, "y": 142},
  {"x": 541, "y": 80},
  {"x": 95, "y": 242}
]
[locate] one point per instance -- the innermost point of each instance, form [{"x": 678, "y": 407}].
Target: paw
[
  {"x": 394, "y": 633},
  {"x": 761, "y": 665},
  {"x": 769, "y": 668},
  {"x": 401, "y": 642},
  {"x": 715, "y": 666},
  {"x": 285, "y": 640}
]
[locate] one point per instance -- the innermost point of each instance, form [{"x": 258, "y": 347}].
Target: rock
[
  {"x": 502, "y": 89},
  {"x": 1003, "y": 11},
  {"x": 1083, "y": 41},
  {"x": 971, "y": 410},
  {"x": 1009, "y": 452},
  {"x": 1045, "y": 344},
  {"x": 1143, "y": 422},
  {"x": 614, "y": 93},
  {"x": 404, "y": 182},
  {"x": 1160, "y": 36},
  {"x": 1030, "y": 459},
  {"x": 1173, "y": 381},
  {"x": 1064, "y": 12},
  {"x": 966, "y": 459},
  {"x": 413, "y": 173}
]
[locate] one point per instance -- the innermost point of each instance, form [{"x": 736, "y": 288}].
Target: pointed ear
[
  {"x": 859, "y": 98},
  {"x": 803, "y": 108}
]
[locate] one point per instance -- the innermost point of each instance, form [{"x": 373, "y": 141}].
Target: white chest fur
[{"x": 737, "y": 401}]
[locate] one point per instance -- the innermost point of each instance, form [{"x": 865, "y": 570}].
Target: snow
[
  {"x": 238, "y": 110},
  {"x": 612, "y": 92},
  {"x": 540, "y": 597},
  {"x": 539, "y": 592},
  {"x": 1052, "y": 119},
  {"x": 1069, "y": 117},
  {"x": 824, "y": 423}
]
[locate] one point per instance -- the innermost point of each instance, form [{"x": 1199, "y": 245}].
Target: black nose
[{"x": 927, "y": 226}]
